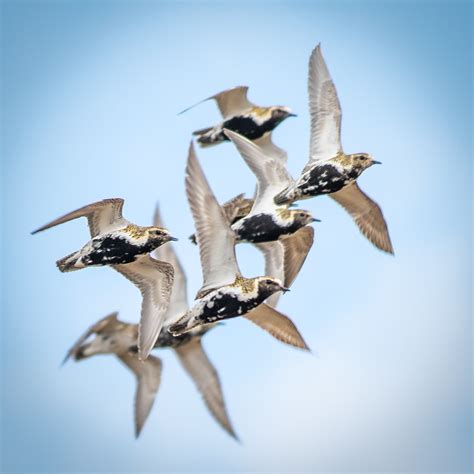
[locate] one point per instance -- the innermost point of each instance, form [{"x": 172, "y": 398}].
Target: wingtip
[
  {"x": 65, "y": 359},
  {"x": 234, "y": 435}
]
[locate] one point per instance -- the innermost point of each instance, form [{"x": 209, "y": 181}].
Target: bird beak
[
  {"x": 292, "y": 115},
  {"x": 376, "y": 162},
  {"x": 316, "y": 220},
  {"x": 284, "y": 289},
  {"x": 172, "y": 238}
]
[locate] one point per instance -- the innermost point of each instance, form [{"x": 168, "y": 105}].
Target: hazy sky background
[{"x": 90, "y": 95}]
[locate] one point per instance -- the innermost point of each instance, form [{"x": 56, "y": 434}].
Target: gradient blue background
[{"x": 90, "y": 93}]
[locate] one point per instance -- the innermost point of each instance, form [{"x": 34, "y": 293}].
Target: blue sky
[{"x": 90, "y": 95}]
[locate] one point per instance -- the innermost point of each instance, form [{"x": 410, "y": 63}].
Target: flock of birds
[{"x": 269, "y": 221}]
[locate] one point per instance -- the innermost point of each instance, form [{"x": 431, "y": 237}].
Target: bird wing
[
  {"x": 272, "y": 175},
  {"x": 269, "y": 148},
  {"x": 148, "y": 374},
  {"x": 231, "y": 102},
  {"x": 237, "y": 207},
  {"x": 274, "y": 266},
  {"x": 200, "y": 369},
  {"x": 325, "y": 111},
  {"x": 367, "y": 215},
  {"x": 295, "y": 249},
  {"x": 285, "y": 257},
  {"x": 154, "y": 280},
  {"x": 277, "y": 324},
  {"x": 102, "y": 216},
  {"x": 166, "y": 253},
  {"x": 213, "y": 234},
  {"x": 109, "y": 320}
]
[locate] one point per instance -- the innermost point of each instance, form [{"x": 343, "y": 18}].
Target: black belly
[
  {"x": 248, "y": 128},
  {"x": 114, "y": 251},
  {"x": 227, "y": 306},
  {"x": 166, "y": 339},
  {"x": 262, "y": 228},
  {"x": 324, "y": 179}
]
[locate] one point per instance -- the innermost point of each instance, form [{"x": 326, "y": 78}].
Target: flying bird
[
  {"x": 116, "y": 337},
  {"x": 266, "y": 221},
  {"x": 125, "y": 247},
  {"x": 329, "y": 170},
  {"x": 244, "y": 117},
  {"x": 225, "y": 292},
  {"x": 284, "y": 257}
]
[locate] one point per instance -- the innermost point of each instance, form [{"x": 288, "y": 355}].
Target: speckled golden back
[
  {"x": 247, "y": 285},
  {"x": 135, "y": 231},
  {"x": 263, "y": 113}
]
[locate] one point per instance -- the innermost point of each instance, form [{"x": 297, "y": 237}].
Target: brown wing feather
[
  {"x": 277, "y": 324},
  {"x": 99, "y": 215},
  {"x": 199, "y": 367},
  {"x": 367, "y": 215},
  {"x": 296, "y": 249},
  {"x": 148, "y": 374}
]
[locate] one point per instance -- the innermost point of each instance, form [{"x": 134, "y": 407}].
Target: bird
[
  {"x": 284, "y": 257},
  {"x": 125, "y": 247},
  {"x": 225, "y": 292},
  {"x": 116, "y": 337},
  {"x": 244, "y": 117},
  {"x": 113, "y": 336},
  {"x": 329, "y": 170},
  {"x": 266, "y": 221}
]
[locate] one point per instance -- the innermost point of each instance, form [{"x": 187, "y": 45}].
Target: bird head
[
  {"x": 362, "y": 161},
  {"x": 160, "y": 234},
  {"x": 268, "y": 285},
  {"x": 108, "y": 341},
  {"x": 302, "y": 217},
  {"x": 280, "y": 113}
]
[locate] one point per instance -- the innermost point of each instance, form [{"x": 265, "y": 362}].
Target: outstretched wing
[
  {"x": 295, "y": 249},
  {"x": 178, "y": 302},
  {"x": 325, "y": 111},
  {"x": 148, "y": 374},
  {"x": 102, "y": 216},
  {"x": 199, "y": 367},
  {"x": 154, "y": 280},
  {"x": 269, "y": 148},
  {"x": 274, "y": 266},
  {"x": 231, "y": 102},
  {"x": 109, "y": 320},
  {"x": 237, "y": 207},
  {"x": 285, "y": 257},
  {"x": 215, "y": 238},
  {"x": 367, "y": 215},
  {"x": 271, "y": 173},
  {"x": 276, "y": 324}
]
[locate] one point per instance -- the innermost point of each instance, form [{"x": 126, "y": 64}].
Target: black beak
[
  {"x": 376, "y": 162},
  {"x": 292, "y": 115},
  {"x": 172, "y": 238},
  {"x": 316, "y": 220},
  {"x": 284, "y": 289}
]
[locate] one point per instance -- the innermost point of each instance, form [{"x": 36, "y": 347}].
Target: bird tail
[
  {"x": 284, "y": 197},
  {"x": 68, "y": 263},
  {"x": 183, "y": 325},
  {"x": 209, "y": 136},
  {"x": 202, "y": 131}
]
